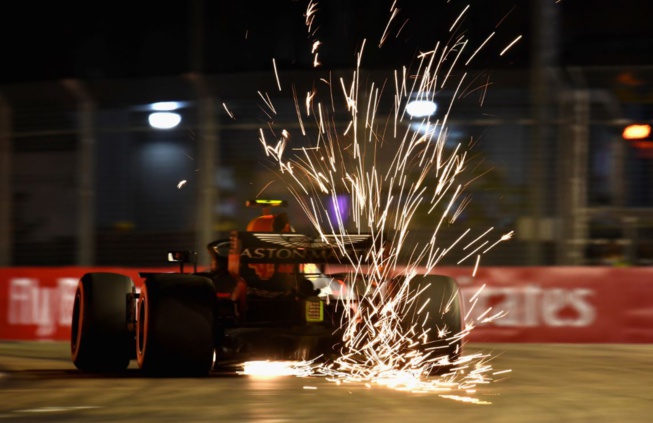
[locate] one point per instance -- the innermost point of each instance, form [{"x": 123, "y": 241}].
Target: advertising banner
[
  {"x": 559, "y": 304},
  {"x": 36, "y": 303},
  {"x": 503, "y": 304}
]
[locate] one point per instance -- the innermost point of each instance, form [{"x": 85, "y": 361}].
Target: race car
[{"x": 265, "y": 296}]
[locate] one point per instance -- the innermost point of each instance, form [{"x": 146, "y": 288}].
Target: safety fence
[
  {"x": 86, "y": 180},
  {"x": 537, "y": 304}
]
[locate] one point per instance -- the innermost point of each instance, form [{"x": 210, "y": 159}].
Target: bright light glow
[
  {"x": 636, "y": 132},
  {"x": 392, "y": 336},
  {"x": 165, "y": 106},
  {"x": 270, "y": 369},
  {"x": 421, "y": 108},
  {"x": 164, "y": 120}
]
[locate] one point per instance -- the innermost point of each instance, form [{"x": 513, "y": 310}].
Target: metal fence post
[
  {"x": 86, "y": 173},
  {"x": 542, "y": 79},
  {"x": 578, "y": 186},
  {"x": 207, "y": 158},
  {"x": 6, "y": 200}
]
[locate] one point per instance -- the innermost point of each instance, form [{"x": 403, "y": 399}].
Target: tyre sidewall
[
  {"x": 174, "y": 334},
  {"x": 100, "y": 336}
]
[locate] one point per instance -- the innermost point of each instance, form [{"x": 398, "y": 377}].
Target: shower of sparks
[
  {"x": 478, "y": 261},
  {"x": 310, "y": 14},
  {"x": 387, "y": 340},
  {"x": 504, "y": 237},
  {"x": 401, "y": 28},
  {"x": 394, "y": 11},
  {"x": 479, "y": 48},
  {"x": 264, "y": 188},
  {"x": 458, "y": 19},
  {"x": 226, "y": 109},
  {"x": 505, "y": 16},
  {"x": 267, "y": 101},
  {"x": 276, "y": 73},
  {"x": 510, "y": 45},
  {"x": 311, "y": 11}
]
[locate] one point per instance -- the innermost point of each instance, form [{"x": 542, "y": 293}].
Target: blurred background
[{"x": 87, "y": 179}]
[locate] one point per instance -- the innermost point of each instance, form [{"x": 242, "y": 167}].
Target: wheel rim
[
  {"x": 141, "y": 327},
  {"x": 76, "y": 323}
]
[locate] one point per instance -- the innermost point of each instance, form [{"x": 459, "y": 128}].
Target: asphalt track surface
[{"x": 547, "y": 383}]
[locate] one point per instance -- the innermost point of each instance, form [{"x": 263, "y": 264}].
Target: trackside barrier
[
  {"x": 541, "y": 304},
  {"x": 559, "y": 304},
  {"x": 36, "y": 302}
]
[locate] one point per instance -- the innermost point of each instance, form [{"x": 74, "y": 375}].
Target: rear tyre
[
  {"x": 100, "y": 338},
  {"x": 174, "y": 333},
  {"x": 444, "y": 319}
]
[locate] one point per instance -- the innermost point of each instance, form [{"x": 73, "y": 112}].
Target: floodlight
[
  {"x": 165, "y": 106},
  {"x": 164, "y": 120},
  {"x": 421, "y": 108},
  {"x": 636, "y": 132}
]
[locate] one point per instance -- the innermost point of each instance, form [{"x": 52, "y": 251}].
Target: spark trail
[{"x": 391, "y": 174}]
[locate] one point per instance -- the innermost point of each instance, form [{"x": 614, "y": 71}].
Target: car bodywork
[{"x": 265, "y": 296}]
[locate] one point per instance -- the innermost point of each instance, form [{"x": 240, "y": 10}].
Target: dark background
[
  {"x": 120, "y": 39},
  {"x": 580, "y": 72}
]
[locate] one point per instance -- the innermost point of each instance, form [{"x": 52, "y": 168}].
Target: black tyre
[
  {"x": 174, "y": 333},
  {"x": 100, "y": 338},
  {"x": 444, "y": 320}
]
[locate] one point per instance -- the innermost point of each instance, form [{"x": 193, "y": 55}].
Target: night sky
[{"x": 119, "y": 39}]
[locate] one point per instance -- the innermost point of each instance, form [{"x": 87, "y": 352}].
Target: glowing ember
[
  {"x": 231, "y": 115},
  {"x": 386, "y": 339},
  {"x": 310, "y": 14},
  {"x": 465, "y": 399},
  {"x": 510, "y": 45}
]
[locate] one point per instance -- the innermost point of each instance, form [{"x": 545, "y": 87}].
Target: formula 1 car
[{"x": 264, "y": 297}]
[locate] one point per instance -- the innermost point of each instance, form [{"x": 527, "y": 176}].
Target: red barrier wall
[
  {"x": 543, "y": 304},
  {"x": 36, "y": 302},
  {"x": 560, "y": 304}
]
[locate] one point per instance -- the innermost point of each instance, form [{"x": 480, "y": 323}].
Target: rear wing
[{"x": 291, "y": 248}]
